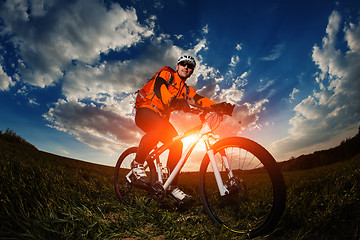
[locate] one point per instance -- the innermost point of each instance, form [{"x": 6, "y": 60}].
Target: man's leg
[
  {"x": 156, "y": 128},
  {"x": 174, "y": 192},
  {"x": 175, "y": 153}
]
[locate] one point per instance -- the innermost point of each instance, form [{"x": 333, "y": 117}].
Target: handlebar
[
  {"x": 213, "y": 115},
  {"x": 219, "y": 109}
]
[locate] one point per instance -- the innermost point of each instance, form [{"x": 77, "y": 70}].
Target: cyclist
[{"x": 169, "y": 92}]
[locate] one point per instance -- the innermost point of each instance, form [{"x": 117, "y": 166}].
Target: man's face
[{"x": 185, "y": 69}]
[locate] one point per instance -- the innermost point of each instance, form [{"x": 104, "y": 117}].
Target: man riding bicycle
[{"x": 168, "y": 92}]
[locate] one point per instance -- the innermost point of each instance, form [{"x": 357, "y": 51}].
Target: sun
[{"x": 190, "y": 140}]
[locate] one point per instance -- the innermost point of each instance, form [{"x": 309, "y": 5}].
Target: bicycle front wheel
[
  {"x": 126, "y": 191},
  {"x": 257, "y": 193}
]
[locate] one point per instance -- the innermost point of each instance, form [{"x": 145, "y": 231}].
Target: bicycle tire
[
  {"x": 256, "y": 206},
  {"x": 127, "y": 193}
]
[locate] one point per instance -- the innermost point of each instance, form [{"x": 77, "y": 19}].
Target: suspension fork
[
  {"x": 210, "y": 152},
  {"x": 225, "y": 161}
]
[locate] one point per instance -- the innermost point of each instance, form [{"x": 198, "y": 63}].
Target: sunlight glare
[{"x": 188, "y": 141}]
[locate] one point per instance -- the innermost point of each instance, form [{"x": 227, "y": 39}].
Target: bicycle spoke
[{"x": 250, "y": 202}]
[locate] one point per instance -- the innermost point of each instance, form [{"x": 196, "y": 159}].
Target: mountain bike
[{"x": 241, "y": 185}]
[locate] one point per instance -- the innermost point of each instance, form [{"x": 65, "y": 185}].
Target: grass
[
  {"x": 323, "y": 203},
  {"x": 43, "y": 196}
]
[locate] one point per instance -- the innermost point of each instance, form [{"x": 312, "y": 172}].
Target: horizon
[
  {"x": 68, "y": 70},
  {"x": 186, "y": 168}
]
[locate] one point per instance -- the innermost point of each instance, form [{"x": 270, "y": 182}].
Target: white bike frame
[{"x": 205, "y": 133}]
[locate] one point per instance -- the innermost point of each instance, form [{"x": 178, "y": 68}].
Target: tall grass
[
  {"x": 43, "y": 196},
  {"x": 46, "y": 199},
  {"x": 323, "y": 203}
]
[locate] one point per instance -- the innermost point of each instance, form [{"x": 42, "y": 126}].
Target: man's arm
[
  {"x": 203, "y": 101},
  {"x": 161, "y": 87}
]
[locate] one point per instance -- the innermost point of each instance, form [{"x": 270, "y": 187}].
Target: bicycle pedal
[
  {"x": 133, "y": 181},
  {"x": 158, "y": 191}
]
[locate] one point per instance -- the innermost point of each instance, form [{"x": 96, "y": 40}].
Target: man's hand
[
  {"x": 226, "y": 108},
  {"x": 179, "y": 104}
]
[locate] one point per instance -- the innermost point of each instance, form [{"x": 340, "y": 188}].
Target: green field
[{"x": 44, "y": 196}]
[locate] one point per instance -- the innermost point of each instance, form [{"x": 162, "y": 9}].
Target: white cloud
[
  {"x": 232, "y": 94},
  {"x": 5, "y": 80},
  {"x": 33, "y": 101},
  {"x": 266, "y": 85},
  {"x": 100, "y": 127},
  {"x": 179, "y": 36},
  {"x": 64, "y": 152},
  {"x": 65, "y": 32},
  {"x": 234, "y": 61},
  {"x": 201, "y": 45},
  {"x": 87, "y": 81},
  {"x": 205, "y": 29},
  {"x": 352, "y": 36},
  {"x": 321, "y": 119},
  {"x": 238, "y": 47},
  {"x": 292, "y": 94},
  {"x": 244, "y": 75}
]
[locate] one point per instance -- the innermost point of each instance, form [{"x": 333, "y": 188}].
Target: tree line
[{"x": 346, "y": 150}]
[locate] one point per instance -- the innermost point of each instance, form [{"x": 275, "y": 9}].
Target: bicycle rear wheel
[
  {"x": 257, "y": 192},
  {"x": 127, "y": 192}
]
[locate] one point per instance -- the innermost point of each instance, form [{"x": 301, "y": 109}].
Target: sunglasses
[{"x": 189, "y": 65}]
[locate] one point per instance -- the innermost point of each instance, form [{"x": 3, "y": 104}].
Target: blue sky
[{"x": 68, "y": 70}]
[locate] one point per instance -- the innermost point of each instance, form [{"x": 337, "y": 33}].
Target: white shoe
[
  {"x": 178, "y": 195},
  {"x": 139, "y": 172}
]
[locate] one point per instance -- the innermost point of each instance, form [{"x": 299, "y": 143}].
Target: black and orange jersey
[{"x": 168, "y": 85}]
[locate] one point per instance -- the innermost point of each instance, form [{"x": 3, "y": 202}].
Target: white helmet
[{"x": 186, "y": 58}]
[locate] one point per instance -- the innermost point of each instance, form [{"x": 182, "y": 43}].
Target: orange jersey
[{"x": 168, "y": 85}]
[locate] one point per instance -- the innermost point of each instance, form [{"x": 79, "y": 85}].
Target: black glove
[
  {"x": 179, "y": 104},
  {"x": 224, "y": 107}
]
